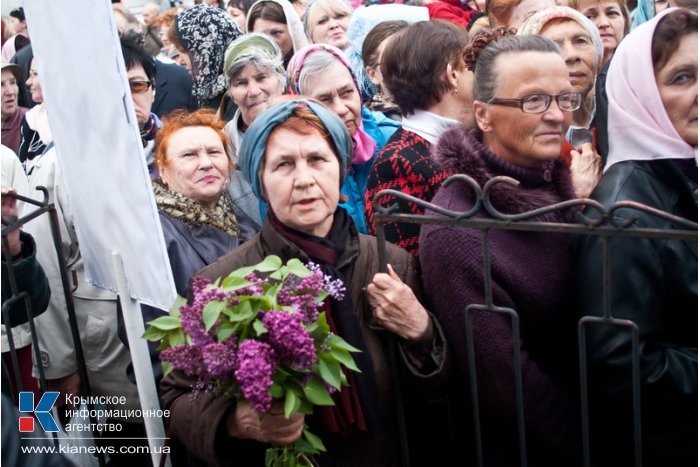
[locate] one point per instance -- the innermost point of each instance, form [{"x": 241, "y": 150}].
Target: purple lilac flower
[
  {"x": 219, "y": 359},
  {"x": 291, "y": 340},
  {"x": 256, "y": 364},
  {"x": 184, "y": 358}
]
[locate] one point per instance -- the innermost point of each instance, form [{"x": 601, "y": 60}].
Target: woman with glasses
[
  {"x": 141, "y": 73},
  {"x": 523, "y": 103}
]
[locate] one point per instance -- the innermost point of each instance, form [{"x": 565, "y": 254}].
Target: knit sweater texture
[{"x": 530, "y": 274}]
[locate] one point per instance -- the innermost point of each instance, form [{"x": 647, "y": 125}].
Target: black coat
[
  {"x": 173, "y": 89},
  {"x": 654, "y": 284}
]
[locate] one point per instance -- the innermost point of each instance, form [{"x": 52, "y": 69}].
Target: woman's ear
[
  {"x": 452, "y": 77},
  {"x": 372, "y": 74},
  {"x": 482, "y": 115}
]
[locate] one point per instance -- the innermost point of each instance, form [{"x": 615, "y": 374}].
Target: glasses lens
[
  {"x": 535, "y": 103},
  {"x": 137, "y": 87},
  {"x": 569, "y": 101}
]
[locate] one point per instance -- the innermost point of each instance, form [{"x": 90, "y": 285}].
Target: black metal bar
[{"x": 473, "y": 385}]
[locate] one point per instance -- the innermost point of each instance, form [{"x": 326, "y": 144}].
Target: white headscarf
[
  {"x": 638, "y": 125},
  {"x": 294, "y": 26}
]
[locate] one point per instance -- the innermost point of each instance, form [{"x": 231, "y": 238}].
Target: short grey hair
[
  {"x": 485, "y": 75},
  {"x": 314, "y": 64},
  {"x": 271, "y": 66}
]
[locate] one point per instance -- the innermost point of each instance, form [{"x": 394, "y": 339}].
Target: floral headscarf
[
  {"x": 364, "y": 144},
  {"x": 206, "y": 32},
  {"x": 638, "y": 125}
]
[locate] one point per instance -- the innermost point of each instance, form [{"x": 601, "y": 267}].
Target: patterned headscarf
[
  {"x": 638, "y": 125},
  {"x": 365, "y": 146},
  {"x": 536, "y": 22},
  {"x": 206, "y": 32},
  {"x": 255, "y": 139}
]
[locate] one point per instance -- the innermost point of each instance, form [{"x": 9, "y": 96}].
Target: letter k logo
[{"x": 42, "y": 411}]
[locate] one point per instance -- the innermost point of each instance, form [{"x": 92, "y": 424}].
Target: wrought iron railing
[{"x": 599, "y": 221}]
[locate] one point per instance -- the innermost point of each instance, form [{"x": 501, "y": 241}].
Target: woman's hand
[
  {"x": 396, "y": 307},
  {"x": 272, "y": 428},
  {"x": 9, "y": 211},
  {"x": 585, "y": 169}
]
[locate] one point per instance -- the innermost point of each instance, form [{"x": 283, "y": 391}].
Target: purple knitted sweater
[{"x": 531, "y": 274}]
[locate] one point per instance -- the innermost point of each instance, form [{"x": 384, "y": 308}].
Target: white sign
[{"x": 83, "y": 80}]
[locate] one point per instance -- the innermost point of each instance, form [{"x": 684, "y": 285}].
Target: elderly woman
[
  {"x": 433, "y": 91},
  {"x": 200, "y": 221},
  {"x": 580, "y": 45},
  {"x": 295, "y": 155},
  {"x": 611, "y": 17},
  {"x": 326, "y": 22},
  {"x": 523, "y": 103},
  {"x": 322, "y": 72},
  {"x": 203, "y": 33},
  {"x": 279, "y": 20},
  {"x": 254, "y": 73},
  {"x": 652, "y": 89},
  {"x": 12, "y": 113}
]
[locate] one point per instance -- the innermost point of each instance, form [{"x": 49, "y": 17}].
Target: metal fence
[
  {"x": 8, "y": 225},
  {"x": 485, "y": 217}
]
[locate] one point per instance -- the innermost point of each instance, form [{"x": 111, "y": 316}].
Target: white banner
[{"x": 91, "y": 114}]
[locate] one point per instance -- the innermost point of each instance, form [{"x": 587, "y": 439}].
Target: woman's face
[
  {"x": 525, "y": 139},
  {"x": 34, "y": 84},
  {"x": 10, "y": 91},
  {"x": 278, "y": 32},
  {"x": 677, "y": 81},
  {"x": 143, "y": 99},
  {"x": 328, "y": 27},
  {"x": 607, "y": 16},
  {"x": 237, "y": 15},
  {"x": 578, "y": 51},
  {"x": 301, "y": 180},
  {"x": 336, "y": 89},
  {"x": 375, "y": 72},
  {"x": 183, "y": 59},
  {"x": 197, "y": 165},
  {"x": 163, "y": 34},
  {"x": 252, "y": 90}
]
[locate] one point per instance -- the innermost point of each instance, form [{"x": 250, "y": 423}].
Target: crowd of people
[{"x": 270, "y": 127}]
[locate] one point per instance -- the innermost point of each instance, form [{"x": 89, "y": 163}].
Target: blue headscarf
[
  {"x": 643, "y": 13},
  {"x": 255, "y": 139}
]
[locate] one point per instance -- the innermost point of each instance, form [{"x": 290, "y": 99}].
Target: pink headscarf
[
  {"x": 364, "y": 144},
  {"x": 638, "y": 126}
]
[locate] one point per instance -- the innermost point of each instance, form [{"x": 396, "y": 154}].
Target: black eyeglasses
[
  {"x": 139, "y": 87},
  {"x": 539, "y": 103}
]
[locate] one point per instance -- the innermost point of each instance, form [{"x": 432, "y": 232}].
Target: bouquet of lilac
[{"x": 259, "y": 335}]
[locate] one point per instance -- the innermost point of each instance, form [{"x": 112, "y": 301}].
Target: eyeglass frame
[
  {"x": 518, "y": 103},
  {"x": 149, "y": 84}
]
